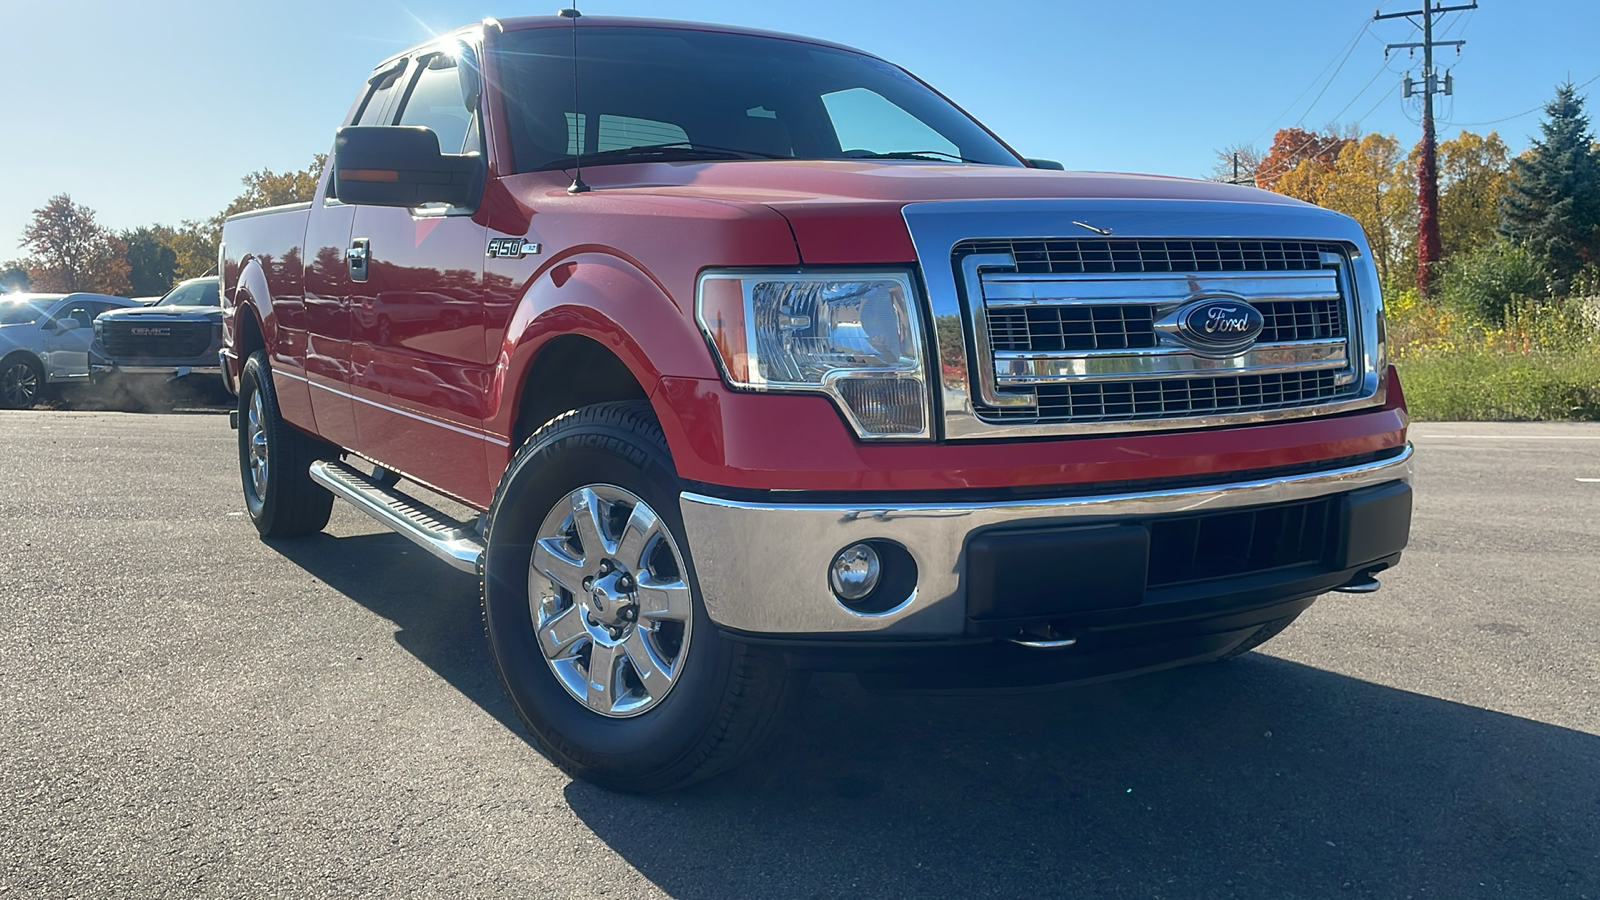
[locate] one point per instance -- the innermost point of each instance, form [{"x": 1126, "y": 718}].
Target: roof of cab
[{"x": 521, "y": 23}]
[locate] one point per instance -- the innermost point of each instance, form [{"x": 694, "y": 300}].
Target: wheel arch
[
  {"x": 27, "y": 354},
  {"x": 592, "y": 328},
  {"x": 580, "y": 372},
  {"x": 252, "y": 302}
]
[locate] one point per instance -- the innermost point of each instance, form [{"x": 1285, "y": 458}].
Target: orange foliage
[{"x": 1292, "y": 146}]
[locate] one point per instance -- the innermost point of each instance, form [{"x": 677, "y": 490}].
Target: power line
[
  {"x": 1428, "y": 243},
  {"x": 1386, "y": 95},
  {"x": 1526, "y": 112},
  {"x": 1284, "y": 165},
  {"x": 1346, "y": 48},
  {"x": 1332, "y": 78}
]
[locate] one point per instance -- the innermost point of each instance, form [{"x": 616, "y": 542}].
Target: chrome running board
[{"x": 457, "y": 543}]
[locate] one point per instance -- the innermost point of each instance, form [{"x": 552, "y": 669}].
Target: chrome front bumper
[
  {"x": 170, "y": 371},
  {"x": 763, "y": 567}
]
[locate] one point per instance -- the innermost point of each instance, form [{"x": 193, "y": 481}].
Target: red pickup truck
[{"x": 759, "y": 356}]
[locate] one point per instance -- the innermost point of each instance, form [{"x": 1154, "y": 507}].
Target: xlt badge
[{"x": 511, "y": 248}]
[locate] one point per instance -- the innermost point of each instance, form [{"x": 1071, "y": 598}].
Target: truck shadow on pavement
[{"x": 1256, "y": 778}]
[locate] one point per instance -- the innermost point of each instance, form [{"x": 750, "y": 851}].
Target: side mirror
[
  {"x": 65, "y": 325},
  {"x": 1046, "y": 164},
  {"x": 400, "y": 165}
]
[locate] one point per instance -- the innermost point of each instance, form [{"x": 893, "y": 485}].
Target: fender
[
  {"x": 252, "y": 296},
  {"x": 249, "y": 289},
  {"x": 612, "y": 301}
]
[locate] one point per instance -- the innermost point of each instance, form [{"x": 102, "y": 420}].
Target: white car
[{"x": 44, "y": 340}]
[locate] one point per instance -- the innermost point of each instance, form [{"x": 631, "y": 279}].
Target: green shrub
[
  {"x": 1484, "y": 283},
  {"x": 1484, "y": 384}
]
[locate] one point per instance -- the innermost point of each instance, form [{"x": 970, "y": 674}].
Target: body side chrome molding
[{"x": 449, "y": 426}]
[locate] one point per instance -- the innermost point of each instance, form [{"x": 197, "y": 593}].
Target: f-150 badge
[{"x": 511, "y": 248}]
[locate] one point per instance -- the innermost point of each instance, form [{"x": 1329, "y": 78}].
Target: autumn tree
[
  {"x": 152, "y": 263},
  {"x": 1553, "y": 207},
  {"x": 14, "y": 277},
  {"x": 1474, "y": 178},
  {"x": 70, "y": 251},
  {"x": 268, "y": 188},
  {"x": 1236, "y": 164},
  {"x": 1291, "y": 147},
  {"x": 1371, "y": 181},
  {"x": 195, "y": 242}
]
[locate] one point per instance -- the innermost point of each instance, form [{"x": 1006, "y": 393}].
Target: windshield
[
  {"x": 672, "y": 94},
  {"x": 22, "y": 312},
  {"x": 194, "y": 293}
]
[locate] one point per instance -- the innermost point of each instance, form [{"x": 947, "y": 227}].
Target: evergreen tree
[
  {"x": 152, "y": 263},
  {"x": 1553, "y": 208}
]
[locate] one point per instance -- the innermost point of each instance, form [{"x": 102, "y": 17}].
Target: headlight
[
  {"x": 99, "y": 328},
  {"x": 854, "y": 336}
]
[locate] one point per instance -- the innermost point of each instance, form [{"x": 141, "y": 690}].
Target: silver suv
[{"x": 44, "y": 341}]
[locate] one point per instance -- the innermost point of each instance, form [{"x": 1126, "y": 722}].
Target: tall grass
[{"x": 1540, "y": 362}]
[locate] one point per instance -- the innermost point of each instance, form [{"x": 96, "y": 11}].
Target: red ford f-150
[{"x": 759, "y": 356}]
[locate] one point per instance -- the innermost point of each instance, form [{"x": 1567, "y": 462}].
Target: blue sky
[{"x": 150, "y": 112}]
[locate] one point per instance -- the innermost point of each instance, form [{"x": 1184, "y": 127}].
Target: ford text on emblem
[
  {"x": 1216, "y": 326},
  {"x": 511, "y": 248}
]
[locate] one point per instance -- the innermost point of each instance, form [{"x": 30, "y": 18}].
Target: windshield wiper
[
  {"x": 926, "y": 155},
  {"x": 705, "y": 151}
]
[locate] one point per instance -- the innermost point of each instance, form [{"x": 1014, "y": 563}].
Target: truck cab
[{"x": 754, "y": 355}]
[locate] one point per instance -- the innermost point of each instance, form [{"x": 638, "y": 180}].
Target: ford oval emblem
[{"x": 1225, "y": 325}]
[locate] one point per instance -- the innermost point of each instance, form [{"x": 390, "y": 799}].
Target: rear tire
[
  {"x": 275, "y": 461},
  {"x": 21, "y": 382},
  {"x": 674, "y": 701}
]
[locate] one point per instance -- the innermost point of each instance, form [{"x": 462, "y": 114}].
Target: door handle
[{"x": 359, "y": 256}]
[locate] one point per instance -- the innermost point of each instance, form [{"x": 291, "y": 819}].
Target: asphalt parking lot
[{"x": 186, "y": 711}]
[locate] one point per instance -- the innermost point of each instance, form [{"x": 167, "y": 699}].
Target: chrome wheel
[
  {"x": 610, "y": 600},
  {"x": 19, "y": 385},
  {"x": 256, "y": 439}
]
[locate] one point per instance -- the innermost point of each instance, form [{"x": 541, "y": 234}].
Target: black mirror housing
[
  {"x": 400, "y": 165},
  {"x": 1047, "y": 164}
]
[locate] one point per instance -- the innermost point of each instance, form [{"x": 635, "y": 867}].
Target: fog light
[{"x": 855, "y": 572}]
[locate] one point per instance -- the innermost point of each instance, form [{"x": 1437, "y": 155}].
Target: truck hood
[
  {"x": 166, "y": 313},
  {"x": 849, "y": 211}
]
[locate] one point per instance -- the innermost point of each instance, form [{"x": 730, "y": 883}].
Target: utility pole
[{"x": 1428, "y": 246}]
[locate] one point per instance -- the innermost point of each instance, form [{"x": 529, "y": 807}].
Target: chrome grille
[
  {"x": 1048, "y": 328},
  {"x": 1068, "y": 256},
  {"x": 145, "y": 338},
  {"x": 1060, "y": 328},
  {"x": 1081, "y": 331},
  {"x": 1126, "y": 401},
  {"x": 1302, "y": 320}
]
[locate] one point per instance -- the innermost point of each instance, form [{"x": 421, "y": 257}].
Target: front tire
[
  {"x": 594, "y": 617},
  {"x": 275, "y": 461},
  {"x": 21, "y": 382}
]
